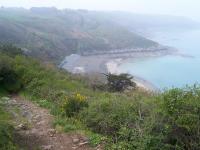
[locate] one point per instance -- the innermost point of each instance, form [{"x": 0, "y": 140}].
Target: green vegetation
[
  {"x": 119, "y": 83},
  {"x": 6, "y": 128},
  {"x": 8, "y": 77},
  {"x": 121, "y": 121},
  {"x": 73, "y": 105}
]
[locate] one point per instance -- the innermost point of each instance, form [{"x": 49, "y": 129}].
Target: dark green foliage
[
  {"x": 6, "y": 137},
  {"x": 119, "y": 83},
  {"x": 179, "y": 121},
  {"x": 171, "y": 121},
  {"x": 119, "y": 118},
  {"x": 107, "y": 116},
  {"x": 8, "y": 77}
]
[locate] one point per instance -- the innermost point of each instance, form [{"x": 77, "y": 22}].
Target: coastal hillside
[
  {"x": 89, "y": 115},
  {"x": 51, "y": 34}
]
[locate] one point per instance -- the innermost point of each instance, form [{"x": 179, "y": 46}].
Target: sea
[{"x": 170, "y": 71}]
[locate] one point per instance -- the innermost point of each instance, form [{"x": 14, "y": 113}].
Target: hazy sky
[{"x": 189, "y": 8}]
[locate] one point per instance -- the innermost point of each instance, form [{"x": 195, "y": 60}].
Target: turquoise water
[{"x": 170, "y": 71}]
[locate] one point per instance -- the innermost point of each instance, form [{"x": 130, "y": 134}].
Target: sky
[{"x": 188, "y": 8}]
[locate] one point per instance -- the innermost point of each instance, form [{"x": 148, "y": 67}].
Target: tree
[{"x": 119, "y": 83}]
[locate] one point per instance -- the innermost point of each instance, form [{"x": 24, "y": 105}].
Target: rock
[
  {"x": 75, "y": 140},
  {"x": 84, "y": 139},
  {"x": 37, "y": 117},
  {"x": 98, "y": 147},
  {"x": 12, "y": 102},
  {"x": 25, "y": 114},
  {"x": 75, "y": 147},
  {"x": 22, "y": 127},
  {"x": 34, "y": 131},
  {"x": 47, "y": 147},
  {"x": 84, "y": 143},
  {"x": 51, "y": 132},
  {"x": 27, "y": 132},
  {"x": 5, "y": 98},
  {"x": 41, "y": 123},
  {"x": 61, "y": 147}
]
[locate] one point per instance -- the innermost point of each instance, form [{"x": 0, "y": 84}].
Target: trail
[{"x": 34, "y": 129}]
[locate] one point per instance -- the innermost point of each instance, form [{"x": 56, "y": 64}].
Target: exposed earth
[{"x": 34, "y": 130}]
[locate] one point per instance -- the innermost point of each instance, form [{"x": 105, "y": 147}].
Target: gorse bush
[
  {"x": 44, "y": 82},
  {"x": 173, "y": 122},
  {"x": 74, "y": 104},
  {"x": 122, "y": 119},
  {"x": 107, "y": 116},
  {"x": 180, "y": 118}
]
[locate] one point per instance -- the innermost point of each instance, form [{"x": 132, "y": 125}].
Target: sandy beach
[
  {"x": 109, "y": 63},
  {"x": 113, "y": 67}
]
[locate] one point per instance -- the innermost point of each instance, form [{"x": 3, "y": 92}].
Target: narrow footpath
[{"x": 34, "y": 129}]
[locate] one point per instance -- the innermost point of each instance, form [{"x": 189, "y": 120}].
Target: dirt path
[{"x": 34, "y": 129}]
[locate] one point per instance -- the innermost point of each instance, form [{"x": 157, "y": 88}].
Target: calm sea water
[{"x": 170, "y": 71}]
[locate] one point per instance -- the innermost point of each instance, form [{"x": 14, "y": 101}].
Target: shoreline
[
  {"x": 109, "y": 63},
  {"x": 113, "y": 67}
]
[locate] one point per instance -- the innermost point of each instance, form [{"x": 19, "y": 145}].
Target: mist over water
[{"x": 170, "y": 71}]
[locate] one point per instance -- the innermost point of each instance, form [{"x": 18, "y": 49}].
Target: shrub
[
  {"x": 121, "y": 119},
  {"x": 74, "y": 104},
  {"x": 6, "y": 137},
  {"x": 8, "y": 77},
  {"x": 107, "y": 116},
  {"x": 119, "y": 83},
  {"x": 177, "y": 123}
]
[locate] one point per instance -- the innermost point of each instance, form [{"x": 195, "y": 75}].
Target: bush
[
  {"x": 170, "y": 121},
  {"x": 177, "y": 122},
  {"x": 107, "y": 116},
  {"x": 8, "y": 77},
  {"x": 121, "y": 119},
  {"x": 74, "y": 104},
  {"x": 119, "y": 83},
  {"x": 6, "y": 137}
]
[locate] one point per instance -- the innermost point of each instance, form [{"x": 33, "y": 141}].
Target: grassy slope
[
  {"x": 6, "y": 128},
  {"x": 52, "y": 34},
  {"x": 133, "y": 120}
]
